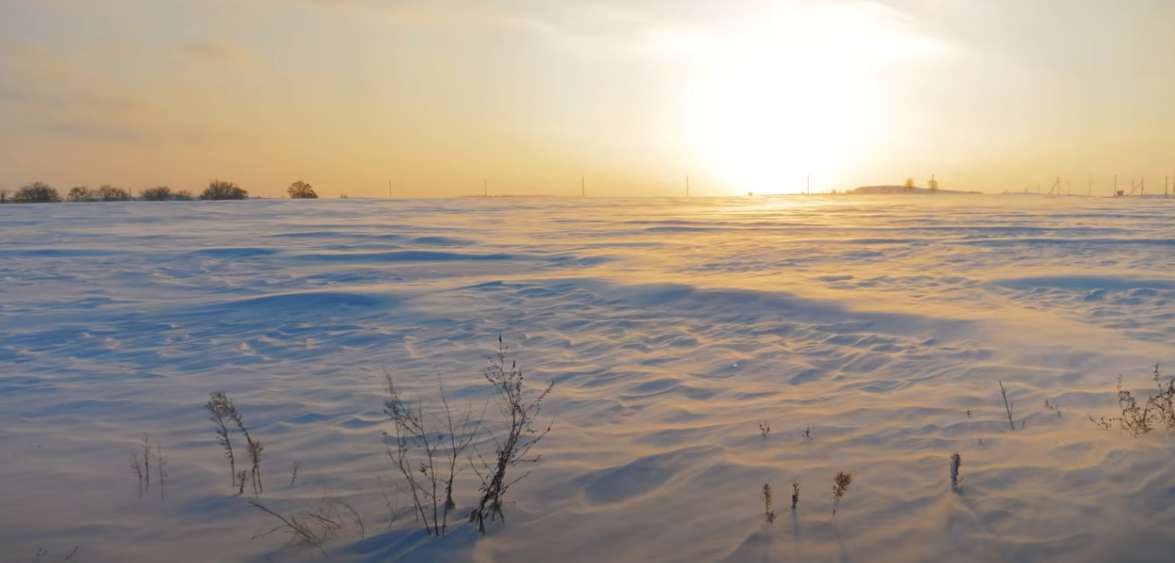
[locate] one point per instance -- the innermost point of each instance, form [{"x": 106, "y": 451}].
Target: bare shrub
[
  {"x": 301, "y": 190},
  {"x": 220, "y": 189},
  {"x": 36, "y": 192},
  {"x": 183, "y": 195},
  {"x": 521, "y": 407},
  {"x": 80, "y": 193},
  {"x": 426, "y": 453},
  {"x": 158, "y": 193},
  {"x": 111, "y": 193},
  {"x": 764, "y": 429},
  {"x": 795, "y": 494}
]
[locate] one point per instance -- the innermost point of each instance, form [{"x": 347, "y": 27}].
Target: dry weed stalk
[
  {"x": 137, "y": 468},
  {"x": 294, "y": 473},
  {"x": 795, "y": 494},
  {"x": 1008, "y": 405},
  {"x": 522, "y": 410},
  {"x": 222, "y": 410},
  {"x": 41, "y": 553},
  {"x": 840, "y": 486},
  {"x": 161, "y": 470},
  {"x": 768, "y": 512},
  {"x": 426, "y": 458},
  {"x": 764, "y": 429},
  {"x": 956, "y": 462},
  {"x": 146, "y": 462},
  {"x": 218, "y": 407},
  {"x": 1138, "y": 419}
]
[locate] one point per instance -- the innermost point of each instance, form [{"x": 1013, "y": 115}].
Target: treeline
[{"x": 40, "y": 192}]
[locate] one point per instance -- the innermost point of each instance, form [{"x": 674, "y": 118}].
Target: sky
[{"x": 447, "y": 97}]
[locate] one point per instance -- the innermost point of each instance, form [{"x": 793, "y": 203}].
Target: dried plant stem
[
  {"x": 218, "y": 407},
  {"x": 768, "y": 512},
  {"x": 1008, "y": 405}
]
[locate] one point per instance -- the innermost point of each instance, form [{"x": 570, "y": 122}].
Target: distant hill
[{"x": 866, "y": 190}]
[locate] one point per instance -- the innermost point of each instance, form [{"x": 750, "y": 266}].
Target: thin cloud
[{"x": 219, "y": 52}]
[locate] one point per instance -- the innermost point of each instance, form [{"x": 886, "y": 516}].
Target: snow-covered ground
[{"x": 673, "y": 328}]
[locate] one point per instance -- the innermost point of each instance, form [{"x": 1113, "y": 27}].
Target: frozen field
[{"x": 673, "y": 328}]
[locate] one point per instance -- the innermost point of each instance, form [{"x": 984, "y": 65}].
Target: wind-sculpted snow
[{"x": 870, "y": 333}]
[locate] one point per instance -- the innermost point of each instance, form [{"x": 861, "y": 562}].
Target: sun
[{"x": 796, "y": 95}]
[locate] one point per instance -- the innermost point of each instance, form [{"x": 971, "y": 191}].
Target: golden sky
[{"x": 531, "y": 95}]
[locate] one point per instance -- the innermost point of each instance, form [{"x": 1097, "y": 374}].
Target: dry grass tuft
[{"x": 312, "y": 528}]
